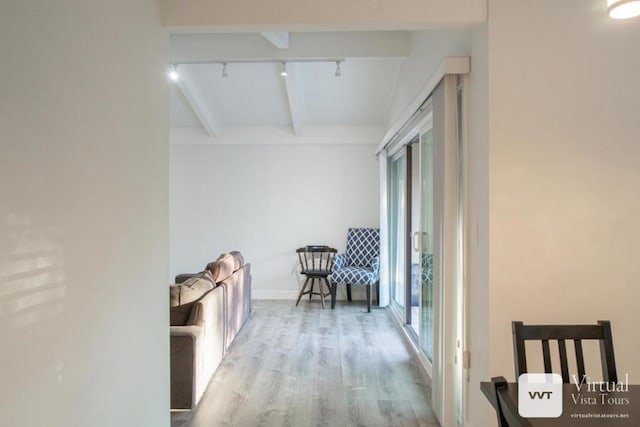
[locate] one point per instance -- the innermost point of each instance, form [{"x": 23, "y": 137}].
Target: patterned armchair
[{"x": 360, "y": 264}]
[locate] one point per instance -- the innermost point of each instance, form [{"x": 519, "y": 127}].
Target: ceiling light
[
  {"x": 623, "y": 9},
  {"x": 224, "y": 70},
  {"x": 338, "y": 69},
  {"x": 284, "y": 70},
  {"x": 173, "y": 73}
]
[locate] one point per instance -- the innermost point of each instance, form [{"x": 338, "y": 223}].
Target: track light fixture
[
  {"x": 338, "y": 69},
  {"x": 173, "y": 73}
]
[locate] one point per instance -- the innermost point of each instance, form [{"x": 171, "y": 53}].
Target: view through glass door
[
  {"x": 411, "y": 237},
  {"x": 397, "y": 201},
  {"x": 425, "y": 246}
]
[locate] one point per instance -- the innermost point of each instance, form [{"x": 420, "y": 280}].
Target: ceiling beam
[
  {"x": 195, "y": 102},
  {"x": 278, "y": 39},
  {"x": 321, "y": 15},
  {"x": 365, "y": 44},
  {"x": 293, "y": 96}
]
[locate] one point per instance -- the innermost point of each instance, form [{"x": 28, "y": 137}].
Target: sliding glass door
[
  {"x": 426, "y": 242},
  {"x": 397, "y": 203},
  {"x": 410, "y": 236},
  {"x": 425, "y": 239}
]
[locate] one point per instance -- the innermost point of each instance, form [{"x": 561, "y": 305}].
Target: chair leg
[
  {"x": 321, "y": 291},
  {"x": 349, "y": 291},
  {"x": 313, "y": 282},
  {"x": 368, "y": 298},
  {"x": 334, "y": 290},
  {"x": 378, "y": 293},
  {"x": 302, "y": 291}
]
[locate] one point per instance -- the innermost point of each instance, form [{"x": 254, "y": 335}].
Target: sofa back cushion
[
  {"x": 222, "y": 268},
  {"x": 182, "y": 297},
  {"x": 238, "y": 258}
]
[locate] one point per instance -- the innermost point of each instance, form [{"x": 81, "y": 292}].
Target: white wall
[
  {"x": 83, "y": 215},
  {"x": 477, "y": 216},
  {"x": 266, "y": 199},
  {"x": 428, "y": 49},
  {"x": 564, "y": 120}
]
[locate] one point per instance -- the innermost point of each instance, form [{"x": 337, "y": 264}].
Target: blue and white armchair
[{"x": 360, "y": 264}]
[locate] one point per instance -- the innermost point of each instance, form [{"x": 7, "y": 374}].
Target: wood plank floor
[{"x": 304, "y": 366}]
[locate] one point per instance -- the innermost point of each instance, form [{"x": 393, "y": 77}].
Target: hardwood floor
[{"x": 305, "y": 366}]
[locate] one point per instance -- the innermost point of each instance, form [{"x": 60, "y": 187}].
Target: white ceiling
[{"x": 254, "y": 94}]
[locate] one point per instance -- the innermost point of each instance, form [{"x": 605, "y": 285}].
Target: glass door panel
[
  {"x": 426, "y": 244},
  {"x": 413, "y": 315},
  {"x": 397, "y": 199}
]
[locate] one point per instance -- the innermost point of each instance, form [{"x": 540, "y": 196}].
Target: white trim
[
  {"x": 464, "y": 187},
  {"x": 424, "y": 122},
  {"x": 270, "y": 294},
  {"x": 383, "y": 290},
  {"x": 292, "y": 295},
  {"x": 449, "y": 65}
]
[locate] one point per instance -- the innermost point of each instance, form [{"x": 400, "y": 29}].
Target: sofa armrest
[
  {"x": 339, "y": 261},
  {"x": 376, "y": 267},
  {"x": 184, "y": 342}
]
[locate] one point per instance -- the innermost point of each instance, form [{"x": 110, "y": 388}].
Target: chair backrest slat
[
  {"x": 546, "y": 355},
  {"x": 564, "y": 365},
  {"x": 317, "y": 259},
  {"x": 600, "y": 332},
  {"x": 579, "y": 360}
]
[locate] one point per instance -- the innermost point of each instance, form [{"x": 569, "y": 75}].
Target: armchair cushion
[{"x": 355, "y": 275}]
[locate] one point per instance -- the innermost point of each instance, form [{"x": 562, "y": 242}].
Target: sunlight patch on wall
[{"x": 32, "y": 280}]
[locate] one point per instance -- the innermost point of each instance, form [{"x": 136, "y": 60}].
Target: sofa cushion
[
  {"x": 183, "y": 297},
  {"x": 239, "y": 259},
  {"x": 222, "y": 268}
]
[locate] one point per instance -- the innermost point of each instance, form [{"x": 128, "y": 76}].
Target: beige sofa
[{"x": 203, "y": 329}]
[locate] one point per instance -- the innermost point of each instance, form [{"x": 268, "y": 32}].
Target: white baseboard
[
  {"x": 358, "y": 295},
  {"x": 272, "y": 294}
]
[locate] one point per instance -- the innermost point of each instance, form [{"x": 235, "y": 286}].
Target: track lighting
[
  {"x": 173, "y": 73},
  {"x": 175, "y": 76},
  {"x": 338, "y": 69}
]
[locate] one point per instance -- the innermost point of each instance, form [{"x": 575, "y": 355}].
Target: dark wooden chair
[
  {"x": 561, "y": 333},
  {"x": 316, "y": 263},
  {"x": 506, "y": 408}
]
